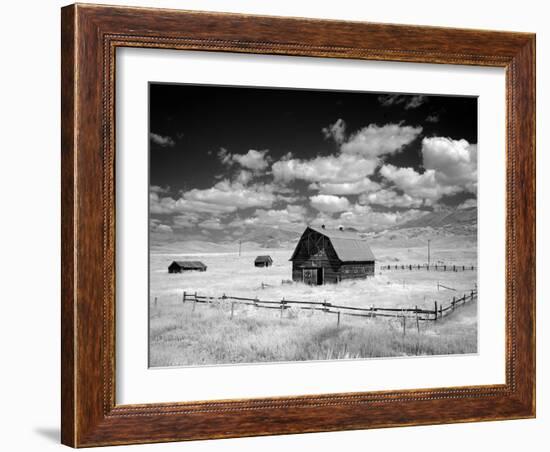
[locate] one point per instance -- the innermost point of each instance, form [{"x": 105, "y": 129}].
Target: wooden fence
[
  {"x": 436, "y": 267},
  {"x": 416, "y": 314}
]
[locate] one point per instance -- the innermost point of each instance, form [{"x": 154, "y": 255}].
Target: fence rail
[
  {"x": 436, "y": 267},
  {"x": 438, "y": 312}
]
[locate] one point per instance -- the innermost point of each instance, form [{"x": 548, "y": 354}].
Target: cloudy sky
[{"x": 228, "y": 158}]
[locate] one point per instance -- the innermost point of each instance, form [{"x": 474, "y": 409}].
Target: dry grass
[{"x": 180, "y": 336}]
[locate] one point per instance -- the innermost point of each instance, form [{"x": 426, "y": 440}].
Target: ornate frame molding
[{"x": 90, "y": 37}]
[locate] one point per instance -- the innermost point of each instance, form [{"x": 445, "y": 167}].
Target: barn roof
[
  {"x": 263, "y": 258},
  {"x": 189, "y": 264},
  {"x": 349, "y": 246}
]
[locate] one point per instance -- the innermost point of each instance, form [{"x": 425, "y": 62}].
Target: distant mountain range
[
  {"x": 443, "y": 223},
  {"x": 269, "y": 237},
  {"x": 443, "y": 218}
]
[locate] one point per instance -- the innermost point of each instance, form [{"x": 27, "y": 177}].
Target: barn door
[{"x": 310, "y": 276}]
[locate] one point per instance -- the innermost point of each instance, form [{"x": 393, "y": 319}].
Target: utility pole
[{"x": 429, "y": 252}]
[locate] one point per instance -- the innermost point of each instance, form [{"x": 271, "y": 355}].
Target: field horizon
[{"x": 207, "y": 335}]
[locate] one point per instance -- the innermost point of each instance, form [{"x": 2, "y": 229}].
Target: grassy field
[{"x": 180, "y": 336}]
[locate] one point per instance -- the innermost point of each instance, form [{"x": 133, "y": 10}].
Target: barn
[
  {"x": 181, "y": 266},
  {"x": 330, "y": 256},
  {"x": 263, "y": 261}
]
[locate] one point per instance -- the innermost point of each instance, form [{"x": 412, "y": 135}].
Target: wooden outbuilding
[
  {"x": 263, "y": 261},
  {"x": 330, "y": 256},
  {"x": 181, "y": 266}
]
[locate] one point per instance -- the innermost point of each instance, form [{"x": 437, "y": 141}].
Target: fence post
[
  {"x": 232, "y": 308},
  {"x": 404, "y": 324},
  {"x": 453, "y": 303},
  {"x": 338, "y": 321},
  {"x": 417, "y": 321},
  {"x": 435, "y": 310},
  {"x": 184, "y": 297},
  {"x": 441, "y": 311}
]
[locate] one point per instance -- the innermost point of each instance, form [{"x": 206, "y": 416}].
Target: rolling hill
[{"x": 443, "y": 218}]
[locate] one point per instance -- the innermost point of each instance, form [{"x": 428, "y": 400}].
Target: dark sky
[
  {"x": 191, "y": 124},
  {"x": 203, "y": 119}
]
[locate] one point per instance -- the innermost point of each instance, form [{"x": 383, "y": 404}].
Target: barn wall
[
  {"x": 357, "y": 270},
  {"x": 315, "y": 250}
]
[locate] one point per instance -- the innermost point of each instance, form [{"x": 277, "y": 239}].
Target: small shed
[
  {"x": 263, "y": 261},
  {"x": 181, "y": 266},
  {"x": 330, "y": 256}
]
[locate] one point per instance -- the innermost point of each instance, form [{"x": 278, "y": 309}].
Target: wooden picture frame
[{"x": 90, "y": 36}]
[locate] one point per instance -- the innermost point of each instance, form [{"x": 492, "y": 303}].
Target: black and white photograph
[{"x": 300, "y": 225}]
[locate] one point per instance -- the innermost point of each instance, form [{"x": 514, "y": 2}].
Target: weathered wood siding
[
  {"x": 357, "y": 270},
  {"x": 316, "y": 251}
]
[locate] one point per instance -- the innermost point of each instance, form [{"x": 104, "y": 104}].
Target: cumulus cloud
[
  {"x": 336, "y": 131},
  {"x": 163, "y": 141},
  {"x": 374, "y": 141},
  {"x": 413, "y": 183},
  {"x": 224, "y": 156},
  {"x": 433, "y": 118},
  {"x": 244, "y": 177},
  {"x": 415, "y": 102},
  {"x": 224, "y": 197},
  {"x": 450, "y": 168},
  {"x": 159, "y": 189},
  {"x": 156, "y": 226},
  {"x": 346, "y": 172},
  {"x": 363, "y": 185},
  {"x": 364, "y": 218},
  {"x": 408, "y": 101},
  {"x": 332, "y": 168},
  {"x": 167, "y": 205},
  {"x": 211, "y": 223},
  {"x": 472, "y": 202},
  {"x": 233, "y": 194},
  {"x": 253, "y": 160},
  {"x": 455, "y": 161},
  {"x": 186, "y": 220},
  {"x": 290, "y": 215},
  {"x": 329, "y": 203},
  {"x": 390, "y": 198}
]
